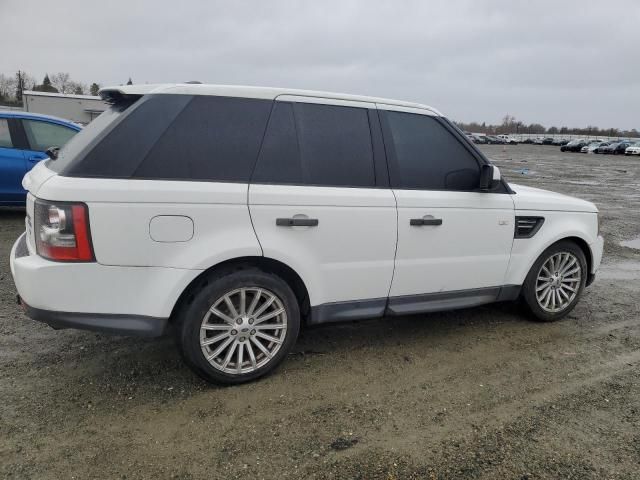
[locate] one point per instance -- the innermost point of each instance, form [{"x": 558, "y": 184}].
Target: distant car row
[
  {"x": 508, "y": 139},
  {"x": 491, "y": 139},
  {"x": 581, "y": 145},
  {"x": 618, "y": 147}
]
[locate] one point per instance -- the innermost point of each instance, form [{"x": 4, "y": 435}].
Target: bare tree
[
  {"x": 77, "y": 88},
  {"x": 62, "y": 82},
  {"x": 7, "y": 86}
]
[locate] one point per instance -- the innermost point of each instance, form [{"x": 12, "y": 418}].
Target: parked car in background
[
  {"x": 537, "y": 141},
  {"x": 547, "y": 141},
  {"x": 614, "y": 148},
  {"x": 493, "y": 140},
  {"x": 292, "y": 213},
  {"x": 591, "y": 147},
  {"x": 574, "y": 145},
  {"x": 508, "y": 139},
  {"x": 24, "y": 138},
  {"x": 479, "y": 139},
  {"x": 559, "y": 141},
  {"x": 621, "y": 148},
  {"x": 633, "y": 149},
  {"x": 527, "y": 140}
]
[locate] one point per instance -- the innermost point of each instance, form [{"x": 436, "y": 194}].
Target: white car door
[
  {"x": 454, "y": 241},
  {"x": 320, "y": 203}
]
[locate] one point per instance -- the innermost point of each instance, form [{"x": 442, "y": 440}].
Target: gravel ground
[{"x": 474, "y": 394}]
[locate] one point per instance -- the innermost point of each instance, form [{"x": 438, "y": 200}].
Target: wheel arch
[
  {"x": 522, "y": 261},
  {"x": 584, "y": 246},
  {"x": 284, "y": 271}
]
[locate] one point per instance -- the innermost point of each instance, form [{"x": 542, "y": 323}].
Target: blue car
[{"x": 24, "y": 138}]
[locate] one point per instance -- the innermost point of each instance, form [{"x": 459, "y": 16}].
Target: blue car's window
[
  {"x": 5, "y": 136},
  {"x": 72, "y": 150},
  {"x": 43, "y": 135}
]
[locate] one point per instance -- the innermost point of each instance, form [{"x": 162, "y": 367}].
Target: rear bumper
[
  {"x": 133, "y": 325},
  {"x": 114, "y": 299}
]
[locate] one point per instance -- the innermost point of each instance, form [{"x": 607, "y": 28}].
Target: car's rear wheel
[
  {"x": 556, "y": 281},
  {"x": 238, "y": 326}
]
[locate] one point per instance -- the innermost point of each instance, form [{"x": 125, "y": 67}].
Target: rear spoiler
[{"x": 115, "y": 97}]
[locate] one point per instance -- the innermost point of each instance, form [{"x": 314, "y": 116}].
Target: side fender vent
[{"x": 527, "y": 227}]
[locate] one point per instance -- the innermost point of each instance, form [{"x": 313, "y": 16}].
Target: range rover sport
[{"x": 230, "y": 216}]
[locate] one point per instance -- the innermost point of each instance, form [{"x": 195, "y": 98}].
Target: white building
[{"x": 77, "y": 108}]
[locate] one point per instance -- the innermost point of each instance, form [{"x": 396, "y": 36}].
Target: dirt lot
[{"x": 480, "y": 393}]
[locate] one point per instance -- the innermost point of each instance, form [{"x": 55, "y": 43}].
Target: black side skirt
[{"x": 410, "y": 304}]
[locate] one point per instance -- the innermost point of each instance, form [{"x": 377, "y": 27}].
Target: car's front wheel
[
  {"x": 238, "y": 326},
  {"x": 556, "y": 281}
]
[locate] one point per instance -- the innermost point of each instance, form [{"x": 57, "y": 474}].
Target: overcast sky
[{"x": 566, "y": 62}]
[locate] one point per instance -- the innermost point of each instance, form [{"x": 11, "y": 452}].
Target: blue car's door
[{"x": 13, "y": 166}]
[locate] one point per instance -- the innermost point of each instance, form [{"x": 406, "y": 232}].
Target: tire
[
  {"x": 198, "y": 323},
  {"x": 558, "y": 286}
]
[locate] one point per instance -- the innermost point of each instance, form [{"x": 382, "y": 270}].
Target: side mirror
[
  {"x": 52, "y": 152},
  {"x": 489, "y": 178}
]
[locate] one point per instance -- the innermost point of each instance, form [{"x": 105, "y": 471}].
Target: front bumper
[
  {"x": 596, "y": 248},
  {"x": 114, "y": 299}
]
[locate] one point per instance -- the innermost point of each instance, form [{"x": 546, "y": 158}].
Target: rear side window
[
  {"x": 213, "y": 138},
  {"x": 99, "y": 149},
  {"x": 314, "y": 144},
  {"x": 5, "y": 136},
  {"x": 42, "y": 135},
  {"x": 428, "y": 156},
  {"x": 177, "y": 137}
]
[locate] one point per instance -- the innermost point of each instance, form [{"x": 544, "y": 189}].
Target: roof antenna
[{"x": 194, "y": 82}]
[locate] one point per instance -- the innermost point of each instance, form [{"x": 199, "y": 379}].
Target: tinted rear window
[
  {"x": 177, "y": 137},
  {"x": 72, "y": 152},
  {"x": 213, "y": 138},
  {"x": 314, "y": 144}
]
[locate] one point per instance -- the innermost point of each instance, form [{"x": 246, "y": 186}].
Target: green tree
[
  {"x": 94, "y": 89},
  {"x": 46, "y": 86}
]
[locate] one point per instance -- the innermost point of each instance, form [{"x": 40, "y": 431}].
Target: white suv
[
  {"x": 231, "y": 216},
  {"x": 507, "y": 139}
]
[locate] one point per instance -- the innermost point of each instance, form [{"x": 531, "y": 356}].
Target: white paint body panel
[
  {"x": 348, "y": 256},
  {"x": 120, "y": 212},
  {"x": 557, "y": 225},
  {"x": 96, "y": 288},
  {"x": 530, "y": 198},
  {"x": 469, "y": 250}
]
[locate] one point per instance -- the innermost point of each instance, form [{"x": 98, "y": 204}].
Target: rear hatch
[{"x": 72, "y": 153}]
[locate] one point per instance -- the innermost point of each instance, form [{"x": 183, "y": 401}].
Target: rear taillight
[{"x": 62, "y": 231}]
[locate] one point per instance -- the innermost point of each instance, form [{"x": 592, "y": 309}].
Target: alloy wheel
[
  {"x": 558, "y": 282},
  {"x": 243, "y": 330}
]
